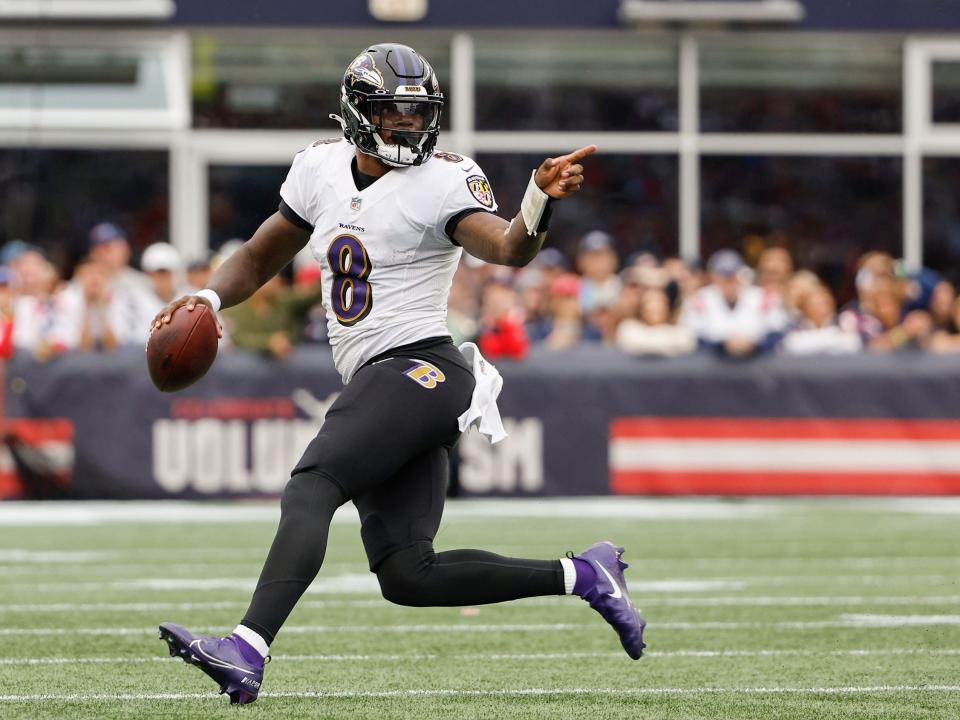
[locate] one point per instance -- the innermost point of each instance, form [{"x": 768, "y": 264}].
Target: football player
[{"x": 387, "y": 218}]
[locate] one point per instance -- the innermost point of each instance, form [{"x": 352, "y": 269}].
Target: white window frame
[
  {"x": 174, "y": 51},
  {"x": 922, "y": 137},
  {"x": 87, "y": 9}
]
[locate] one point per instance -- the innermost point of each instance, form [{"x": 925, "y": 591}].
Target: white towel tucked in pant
[{"x": 483, "y": 411}]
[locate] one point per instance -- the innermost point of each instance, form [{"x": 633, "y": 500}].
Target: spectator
[
  {"x": 534, "y": 292},
  {"x": 946, "y": 338},
  {"x": 552, "y": 263},
  {"x": 600, "y": 285},
  {"x": 730, "y": 316},
  {"x": 35, "y": 307},
  {"x": 893, "y": 330},
  {"x": 774, "y": 269},
  {"x": 874, "y": 271},
  {"x": 89, "y": 311},
  {"x": 463, "y": 307},
  {"x": 271, "y": 320},
  {"x": 565, "y": 328},
  {"x": 306, "y": 283},
  {"x": 597, "y": 263},
  {"x": 941, "y": 306},
  {"x": 651, "y": 332},
  {"x": 816, "y": 331},
  {"x": 198, "y": 275},
  {"x": 110, "y": 249},
  {"x": 163, "y": 266},
  {"x": 501, "y": 321},
  {"x": 7, "y": 294},
  {"x": 800, "y": 283},
  {"x": 687, "y": 278}
]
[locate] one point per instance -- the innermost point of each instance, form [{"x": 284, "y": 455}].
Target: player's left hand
[{"x": 562, "y": 176}]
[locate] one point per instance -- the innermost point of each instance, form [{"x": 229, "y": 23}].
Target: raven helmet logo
[
  {"x": 364, "y": 69},
  {"x": 355, "y": 203},
  {"x": 427, "y": 375},
  {"x": 479, "y": 187}
]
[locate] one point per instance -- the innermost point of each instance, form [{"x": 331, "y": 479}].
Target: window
[
  {"x": 606, "y": 82},
  {"x": 241, "y": 198},
  {"x": 792, "y": 83},
  {"x": 284, "y": 81},
  {"x": 946, "y": 92},
  {"x": 630, "y": 196},
  {"x": 827, "y": 210},
  {"x": 941, "y": 216},
  {"x": 79, "y": 80},
  {"x": 43, "y": 206}
]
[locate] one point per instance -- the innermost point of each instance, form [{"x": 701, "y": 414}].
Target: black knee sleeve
[{"x": 404, "y": 574}]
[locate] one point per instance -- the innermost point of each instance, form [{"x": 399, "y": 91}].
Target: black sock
[
  {"x": 419, "y": 577},
  {"x": 296, "y": 555}
]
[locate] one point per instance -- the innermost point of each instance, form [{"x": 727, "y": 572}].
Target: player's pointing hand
[{"x": 563, "y": 176}]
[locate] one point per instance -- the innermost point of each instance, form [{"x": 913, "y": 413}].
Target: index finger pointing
[{"x": 578, "y": 155}]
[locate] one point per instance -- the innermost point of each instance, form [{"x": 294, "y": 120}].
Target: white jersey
[
  {"x": 757, "y": 313},
  {"x": 386, "y": 262}
]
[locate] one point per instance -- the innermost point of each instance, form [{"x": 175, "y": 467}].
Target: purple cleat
[
  {"x": 235, "y": 666},
  {"x": 608, "y": 595}
]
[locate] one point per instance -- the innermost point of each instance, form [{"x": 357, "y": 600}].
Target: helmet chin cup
[{"x": 395, "y": 155}]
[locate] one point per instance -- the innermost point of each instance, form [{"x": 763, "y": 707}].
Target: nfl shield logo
[{"x": 355, "y": 203}]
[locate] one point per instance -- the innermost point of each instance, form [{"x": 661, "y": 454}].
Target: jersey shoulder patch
[
  {"x": 327, "y": 141},
  {"x": 480, "y": 188}
]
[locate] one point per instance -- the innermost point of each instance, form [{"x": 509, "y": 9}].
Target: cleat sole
[{"x": 238, "y": 695}]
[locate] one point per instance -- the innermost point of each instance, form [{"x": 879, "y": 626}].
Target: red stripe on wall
[
  {"x": 785, "y": 428},
  {"x": 766, "y": 483}
]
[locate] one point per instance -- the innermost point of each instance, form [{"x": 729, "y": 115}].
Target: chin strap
[{"x": 343, "y": 123}]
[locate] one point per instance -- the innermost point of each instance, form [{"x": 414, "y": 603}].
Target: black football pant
[{"x": 385, "y": 445}]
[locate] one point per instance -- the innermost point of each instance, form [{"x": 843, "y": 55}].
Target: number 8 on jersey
[{"x": 351, "y": 297}]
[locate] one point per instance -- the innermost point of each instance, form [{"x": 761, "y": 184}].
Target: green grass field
[{"x": 804, "y": 609}]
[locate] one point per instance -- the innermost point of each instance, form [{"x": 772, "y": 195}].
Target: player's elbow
[{"x": 520, "y": 258}]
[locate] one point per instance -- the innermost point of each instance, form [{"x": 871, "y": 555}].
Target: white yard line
[
  {"x": 534, "y": 657},
  {"x": 848, "y": 621},
  {"x": 726, "y": 601},
  {"x": 518, "y": 692},
  {"x": 65, "y": 514},
  {"x": 56, "y": 514},
  {"x": 364, "y": 583}
]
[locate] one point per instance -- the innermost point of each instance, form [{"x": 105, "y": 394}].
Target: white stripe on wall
[{"x": 785, "y": 455}]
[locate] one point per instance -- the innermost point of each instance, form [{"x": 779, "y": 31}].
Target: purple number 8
[{"x": 351, "y": 297}]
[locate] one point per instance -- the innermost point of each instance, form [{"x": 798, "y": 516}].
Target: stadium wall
[{"x": 581, "y": 423}]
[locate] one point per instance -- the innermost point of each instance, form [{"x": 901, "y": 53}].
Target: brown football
[{"x": 181, "y": 351}]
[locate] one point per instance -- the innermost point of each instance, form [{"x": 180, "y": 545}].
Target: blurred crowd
[
  {"x": 641, "y": 305},
  {"x": 666, "y": 307}
]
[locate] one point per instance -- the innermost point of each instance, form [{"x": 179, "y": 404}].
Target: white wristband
[
  {"x": 533, "y": 204},
  {"x": 211, "y": 296}
]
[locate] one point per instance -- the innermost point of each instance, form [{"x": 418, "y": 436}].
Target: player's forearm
[
  {"x": 491, "y": 238},
  {"x": 237, "y": 278},
  {"x": 520, "y": 246}
]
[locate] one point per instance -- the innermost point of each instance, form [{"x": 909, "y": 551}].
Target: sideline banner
[{"x": 587, "y": 422}]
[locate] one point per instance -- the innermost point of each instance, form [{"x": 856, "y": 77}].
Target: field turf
[{"x": 756, "y": 609}]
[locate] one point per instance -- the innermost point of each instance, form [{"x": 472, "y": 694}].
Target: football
[{"x": 180, "y": 352}]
